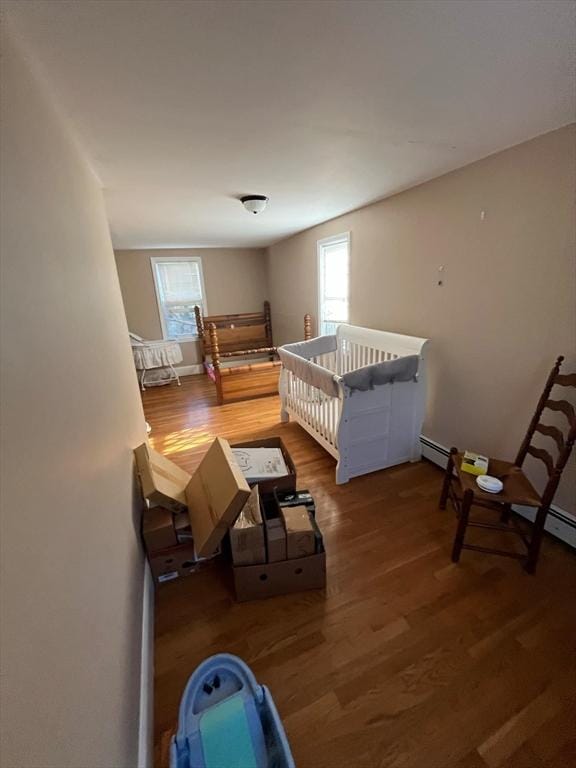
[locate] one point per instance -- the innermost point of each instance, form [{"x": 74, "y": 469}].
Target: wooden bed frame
[{"x": 225, "y": 337}]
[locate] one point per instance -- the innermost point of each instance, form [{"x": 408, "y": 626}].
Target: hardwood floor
[{"x": 407, "y": 660}]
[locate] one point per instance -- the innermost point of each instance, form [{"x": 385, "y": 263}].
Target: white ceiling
[{"x": 323, "y": 105}]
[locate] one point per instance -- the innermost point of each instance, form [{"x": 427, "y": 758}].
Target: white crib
[{"x": 364, "y": 430}]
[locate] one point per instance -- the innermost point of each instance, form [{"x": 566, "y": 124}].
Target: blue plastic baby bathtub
[{"x": 227, "y": 720}]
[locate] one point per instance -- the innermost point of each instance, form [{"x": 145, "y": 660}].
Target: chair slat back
[
  {"x": 543, "y": 455},
  {"x": 566, "y": 380},
  {"x": 553, "y": 432},
  {"x": 565, "y": 407},
  {"x": 564, "y": 439}
]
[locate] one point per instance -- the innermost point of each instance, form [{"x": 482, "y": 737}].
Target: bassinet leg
[
  {"x": 284, "y": 416},
  {"x": 142, "y": 387},
  {"x": 175, "y": 375}
]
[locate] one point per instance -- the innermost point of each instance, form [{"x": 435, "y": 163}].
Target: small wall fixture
[{"x": 254, "y": 203}]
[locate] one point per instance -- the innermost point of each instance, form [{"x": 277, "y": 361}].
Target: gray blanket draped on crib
[{"x": 297, "y": 358}]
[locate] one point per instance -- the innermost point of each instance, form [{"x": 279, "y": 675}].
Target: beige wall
[
  {"x": 72, "y": 571},
  {"x": 508, "y": 306},
  {"x": 235, "y": 280}
]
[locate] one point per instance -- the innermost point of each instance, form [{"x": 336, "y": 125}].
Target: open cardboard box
[
  {"x": 253, "y": 582},
  {"x": 280, "y": 484},
  {"x": 213, "y": 496}
]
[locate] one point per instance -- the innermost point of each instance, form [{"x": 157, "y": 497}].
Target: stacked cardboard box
[
  {"x": 188, "y": 513},
  {"x": 247, "y": 541},
  {"x": 295, "y": 555},
  {"x": 168, "y": 542},
  {"x": 275, "y": 544},
  {"x": 300, "y": 540}
]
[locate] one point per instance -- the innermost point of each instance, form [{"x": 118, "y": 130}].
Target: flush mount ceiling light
[{"x": 254, "y": 203}]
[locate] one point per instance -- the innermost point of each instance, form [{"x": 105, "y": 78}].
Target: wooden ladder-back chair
[{"x": 461, "y": 488}]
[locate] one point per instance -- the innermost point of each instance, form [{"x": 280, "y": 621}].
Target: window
[
  {"x": 333, "y": 259},
  {"x": 179, "y": 287}
]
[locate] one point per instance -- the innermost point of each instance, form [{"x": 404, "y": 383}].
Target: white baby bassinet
[
  {"x": 364, "y": 430},
  {"x": 155, "y": 360}
]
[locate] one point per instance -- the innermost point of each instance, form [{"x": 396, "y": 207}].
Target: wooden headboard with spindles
[
  {"x": 248, "y": 333},
  {"x": 226, "y": 337}
]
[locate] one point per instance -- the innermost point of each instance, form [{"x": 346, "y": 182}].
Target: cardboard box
[
  {"x": 163, "y": 482},
  {"x": 183, "y": 528},
  {"x": 253, "y": 582},
  {"x": 300, "y": 540},
  {"x": 158, "y": 529},
  {"x": 274, "y": 529},
  {"x": 173, "y": 563},
  {"x": 296, "y": 499},
  {"x": 213, "y": 496},
  {"x": 281, "y": 484},
  {"x": 247, "y": 543},
  {"x": 275, "y": 540}
]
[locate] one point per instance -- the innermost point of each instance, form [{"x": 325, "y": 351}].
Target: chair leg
[
  {"x": 536, "y": 540},
  {"x": 447, "y": 479},
  {"x": 462, "y": 523},
  {"x": 505, "y": 514}
]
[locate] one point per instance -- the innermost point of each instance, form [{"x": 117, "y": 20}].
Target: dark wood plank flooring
[{"x": 407, "y": 660}]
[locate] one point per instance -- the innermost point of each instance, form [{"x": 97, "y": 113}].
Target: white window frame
[
  {"x": 344, "y": 237},
  {"x": 163, "y": 259}
]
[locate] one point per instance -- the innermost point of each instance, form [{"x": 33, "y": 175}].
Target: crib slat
[
  {"x": 333, "y": 404},
  {"x": 329, "y": 419},
  {"x": 315, "y": 420}
]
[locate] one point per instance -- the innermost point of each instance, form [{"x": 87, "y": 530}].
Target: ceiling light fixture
[{"x": 254, "y": 203}]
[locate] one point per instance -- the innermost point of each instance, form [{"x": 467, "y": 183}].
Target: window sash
[{"x": 177, "y": 317}]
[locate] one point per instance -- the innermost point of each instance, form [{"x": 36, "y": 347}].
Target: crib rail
[
  {"x": 317, "y": 412},
  {"x": 352, "y": 355},
  {"x": 358, "y": 347}
]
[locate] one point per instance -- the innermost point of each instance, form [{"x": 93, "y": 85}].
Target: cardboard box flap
[
  {"x": 215, "y": 496},
  {"x": 163, "y": 482}
]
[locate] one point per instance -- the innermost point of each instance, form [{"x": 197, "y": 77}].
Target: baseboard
[
  {"x": 193, "y": 370},
  {"x": 559, "y": 523},
  {"x": 189, "y": 370},
  {"x": 434, "y": 452},
  {"x": 145, "y": 729}
]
